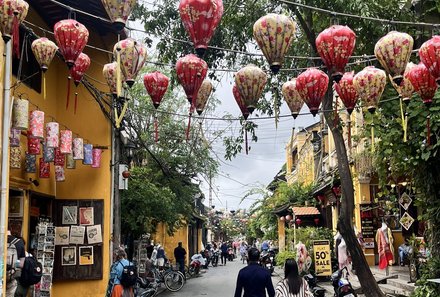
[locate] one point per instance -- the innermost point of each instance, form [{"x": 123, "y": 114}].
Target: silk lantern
[
  {"x": 44, "y": 51},
  {"x": 370, "y": 84},
  {"x": 71, "y": 38},
  {"x": 335, "y": 46},
  {"x": 109, "y": 72},
  {"x": 200, "y": 19},
  {"x": 48, "y": 154},
  {"x": 30, "y": 163},
  {"x": 393, "y": 52},
  {"x": 405, "y": 89},
  {"x": 240, "y": 102},
  {"x": 203, "y": 95},
  {"x": 118, "y": 11},
  {"x": 88, "y": 155},
  {"x": 156, "y": 85},
  {"x": 429, "y": 54},
  {"x": 13, "y": 12},
  {"x": 44, "y": 170},
  {"x": 292, "y": 97},
  {"x": 66, "y": 141},
  {"x": 78, "y": 149},
  {"x": 15, "y": 157},
  {"x": 131, "y": 56},
  {"x": 59, "y": 173},
  {"x": 60, "y": 159},
  {"x": 70, "y": 161},
  {"x": 274, "y": 34},
  {"x": 312, "y": 85},
  {"x": 96, "y": 157},
  {"x": 250, "y": 81},
  {"x": 33, "y": 146},
  {"x": 14, "y": 137},
  {"x": 77, "y": 72},
  {"x": 191, "y": 72},
  {"x": 347, "y": 91},
  {"x": 52, "y": 134},
  {"x": 20, "y": 114},
  {"x": 36, "y": 124}
]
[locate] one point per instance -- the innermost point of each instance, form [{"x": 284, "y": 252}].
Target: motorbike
[
  {"x": 341, "y": 284},
  {"x": 197, "y": 261},
  {"x": 316, "y": 290},
  {"x": 266, "y": 260},
  {"x": 231, "y": 254},
  {"x": 214, "y": 258},
  {"x": 207, "y": 254},
  {"x": 145, "y": 288}
]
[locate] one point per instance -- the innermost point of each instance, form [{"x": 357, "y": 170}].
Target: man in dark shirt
[
  {"x": 254, "y": 279},
  {"x": 179, "y": 254},
  {"x": 224, "y": 255},
  {"x": 11, "y": 284}
]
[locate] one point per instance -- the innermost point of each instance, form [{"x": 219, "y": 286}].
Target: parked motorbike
[
  {"x": 207, "y": 254},
  {"x": 316, "y": 290},
  {"x": 214, "y": 258},
  {"x": 266, "y": 260},
  {"x": 231, "y": 254},
  {"x": 197, "y": 261},
  {"x": 145, "y": 288},
  {"x": 341, "y": 285}
]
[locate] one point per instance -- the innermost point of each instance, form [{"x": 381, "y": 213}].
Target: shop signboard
[
  {"x": 323, "y": 263},
  {"x": 367, "y": 225}
]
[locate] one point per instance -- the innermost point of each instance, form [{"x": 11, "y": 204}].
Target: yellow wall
[
  {"x": 281, "y": 235},
  {"x": 170, "y": 242}
]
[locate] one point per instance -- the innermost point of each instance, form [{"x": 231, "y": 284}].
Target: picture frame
[
  {"x": 70, "y": 215},
  {"x": 86, "y": 255},
  {"x": 15, "y": 206},
  {"x": 86, "y": 216},
  {"x": 68, "y": 256}
]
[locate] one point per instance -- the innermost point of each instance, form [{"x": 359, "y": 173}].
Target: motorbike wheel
[
  {"x": 214, "y": 263},
  {"x": 191, "y": 271},
  {"x": 174, "y": 281}
]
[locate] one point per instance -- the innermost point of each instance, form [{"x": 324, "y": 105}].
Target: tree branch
[{"x": 307, "y": 28}]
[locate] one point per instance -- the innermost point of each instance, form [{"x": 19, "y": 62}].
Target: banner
[{"x": 323, "y": 263}]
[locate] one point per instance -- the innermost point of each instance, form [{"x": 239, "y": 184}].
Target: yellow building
[{"x": 32, "y": 198}]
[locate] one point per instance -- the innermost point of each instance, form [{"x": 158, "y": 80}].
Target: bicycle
[{"x": 173, "y": 280}]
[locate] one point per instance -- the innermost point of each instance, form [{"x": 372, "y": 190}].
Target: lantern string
[
  {"x": 372, "y": 137},
  {"x": 403, "y": 120},
  {"x": 68, "y": 91},
  {"x": 156, "y": 129},
  {"x": 76, "y": 102},
  {"x": 246, "y": 137},
  {"x": 405, "y": 133}
]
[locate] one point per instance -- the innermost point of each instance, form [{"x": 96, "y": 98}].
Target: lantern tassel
[
  {"x": 16, "y": 36},
  {"x": 76, "y": 102},
  {"x": 428, "y": 128},
  {"x": 44, "y": 85},
  {"x": 68, "y": 92},
  {"x": 189, "y": 125},
  {"x": 246, "y": 138},
  {"x": 156, "y": 129},
  {"x": 372, "y": 137},
  {"x": 405, "y": 132},
  {"x": 403, "y": 120},
  {"x": 349, "y": 134}
]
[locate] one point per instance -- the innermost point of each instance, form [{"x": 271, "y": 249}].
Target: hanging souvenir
[
  {"x": 44, "y": 51},
  {"x": 370, "y": 84},
  {"x": 14, "y": 137},
  {"x": 156, "y": 85},
  {"x": 109, "y": 73},
  {"x": 203, "y": 95},
  {"x": 132, "y": 56},
  {"x": 200, "y": 19},
  {"x": 30, "y": 163},
  {"x": 66, "y": 141},
  {"x": 191, "y": 72},
  {"x": 60, "y": 159},
  {"x": 292, "y": 97},
  {"x": 20, "y": 114},
  {"x": 347, "y": 91},
  {"x": 70, "y": 161},
  {"x": 118, "y": 11},
  {"x": 78, "y": 149},
  {"x": 312, "y": 85},
  {"x": 405, "y": 89},
  {"x": 48, "y": 154},
  {"x": 80, "y": 67},
  {"x": 71, "y": 38},
  {"x": 240, "y": 102},
  {"x": 52, "y": 134},
  {"x": 11, "y": 16},
  {"x": 59, "y": 173},
  {"x": 335, "y": 46},
  {"x": 36, "y": 124},
  {"x": 250, "y": 81},
  {"x": 274, "y": 34},
  {"x": 393, "y": 52},
  {"x": 88, "y": 155},
  {"x": 429, "y": 54},
  {"x": 15, "y": 157},
  {"x": 96, "y": 157},
  {"x": 33, "y": 146},
  {"x": 44, "y": 171}
]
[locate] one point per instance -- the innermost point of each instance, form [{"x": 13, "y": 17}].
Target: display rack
[{"x": 45, "y": 254}]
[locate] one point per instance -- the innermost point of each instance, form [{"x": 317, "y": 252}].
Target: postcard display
[
  {"x": 140, "y": 252},
  {"x": 78, "y": 239},
  {"x": 45, "y": 253}
]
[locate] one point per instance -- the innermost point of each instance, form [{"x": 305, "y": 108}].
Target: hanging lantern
[
  {"x": 36, "y": 124},
  {"x": 250, "y": 82},
  {"x": 370, "y": 84},
  {"x": 200, "y": 19},
  {"x": 48, "y": 154},
  {"x": 393, "y": 52},
  {"x": 282, "y": 219},
  {"x": 20, "y": 114},
  {"x": 191, "y": 72},
  {"x": 118, "y": 11},
  {"x": 335, "y": 46},
  {"x": 109, "y": 73},
  {"x": 15, "y": 157},
  {"x": 240, "y": 102},
  {"x": 78, "y": 149},
  {"x": 52, "y": 134},
  {"x": 71, "y": 37},
  {"x": 312, "y": 85},
  {"x": 33, "y": 146},
  {"x": 274, "y": 34},
  {"x": 156, "y": 85},
  {"x": 405, "y": 89},
  {"x": 292, "y": 97},
  {"x": 423, "y": 83},
  {"x": 59, "y": 173},
  {"x": 44, "y": 171},
  {"x": 347, "y": 91},
  {"x": 60, "y": 159},
  {"x": 96, "y": 157},
  {"x": 30, "y": 163},
  {"x": 88, "y": 155},
  {"x": 66, "y": 141},
  {"x": 44, "y": 51},
  {"x": 80, "y": 67},
  {"x": 298, "y": 222},
  {"x": 316, "y": 221},
  {"x": 132, "y": 58},
  {"x": 70, "y": 161},
  {"x": 429, "y": 54},
  {"x": 203, "y": 95},
  {"x": 14, "y": 137},
  {"x": 11, "y": 16},
  {"x": 288, "y": 218}
]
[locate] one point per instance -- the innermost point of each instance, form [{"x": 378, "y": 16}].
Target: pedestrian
[
  {"x": 15, "y": 261},
  {"x": 265, "y": 246},
  {"x": 116, "y": 271},
  {"x": 243, "y": 251},
  {"x": 224, "y": 255},
  {"x": 161, "y": 257},
  {"x": 22, "y": 286},
  {"x": 179, "y": 255},
  {"x": 293, "y": 284},
  {"x": 253, "y": 279}
]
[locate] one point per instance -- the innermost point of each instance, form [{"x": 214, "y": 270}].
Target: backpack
[
  {"x": 129, "y": 275},
  {"x": 12, "y": 257},
  {"x": 31, "y": 272}
]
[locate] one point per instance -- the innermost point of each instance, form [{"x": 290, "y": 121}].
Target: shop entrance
[{"x": 40, "y": 209}]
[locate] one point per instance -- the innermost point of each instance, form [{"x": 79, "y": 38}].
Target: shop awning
[
  {"x": 305, "y": 211},
  {"x": 282, "y": 210}
]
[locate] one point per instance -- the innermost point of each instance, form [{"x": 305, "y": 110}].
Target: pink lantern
[
  {"x": 33, "y": 146},
  {"x": 96, "y": 157},
  {"x": 44, "y": 169},
  {"x": 282, "y": 219},
  {"x": 298, "y": 221},
  {"x": 312, "y": 85},
  {"x": 36, "y": 124},
  {"x": 429, "y": 54},
  {"x": 66, "y": 141},
  {"x": 59, "y": 173},
  {"x": 370, "y": 84},
  {"x": 288, "y": 218},
  {"x": 78, "y": 149},
  {"x": 52, "y": 134}
]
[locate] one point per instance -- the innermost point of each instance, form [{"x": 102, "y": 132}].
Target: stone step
[
  {"x": 402, "y": 284},
  {"x": 389, "y": 289}
]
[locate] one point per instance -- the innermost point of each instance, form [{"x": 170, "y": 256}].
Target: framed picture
[
  {"x": 70, "y": 215},
  {"x": 86, "y": 255},
  {"x": 94, "y": 234},
  {"x": 68, "y": 255},
  {"x": 77, "y": 234},
  {"x": 86, "y": 216},
  {"x": 62, "y": 235},
  {"x": 16, "y": 206}
]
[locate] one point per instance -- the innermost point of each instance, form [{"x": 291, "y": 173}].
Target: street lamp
[{"x": 130, "y": 147}]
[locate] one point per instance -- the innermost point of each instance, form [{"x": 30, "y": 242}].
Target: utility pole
[{"x": 116, "y": 192}]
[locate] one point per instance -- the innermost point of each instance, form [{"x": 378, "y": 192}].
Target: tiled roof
[{"x": 305, "y": 211}]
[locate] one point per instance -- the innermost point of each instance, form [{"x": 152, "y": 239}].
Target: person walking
[
  {"x": 161, "y": 257},
  {"x": 243, "y": 251},
  {"x": 179, "y": 255},
  {"x": 253, "y": 279},
  {"x": 293, "y": 284},
  {"x": 224, "y": 255},
  {"x": 16, "y": 255},
  {"x": 117, "y": 290}
]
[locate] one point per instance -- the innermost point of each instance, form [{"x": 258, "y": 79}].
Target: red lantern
[
  {"x": 240, "y": 102},
  {"x": 337, "y": 191},
  {"x": 335, "y": 46},
  {"x": 126, "y": 174},
  {"x": 321, "y": 198},
  {"x": 423, "y": 82},
  {"x": 312, "y": 85},
  {"x": 156, "y": 85},
  {"x": 191, "y": 72},
  {"x": 429, "y": 54},
  {"x": 200, "y": 19},
  {"x": 347, "y": 91},
  {"x": 292, "y": 97},
  {"x": 12, "y": 14},
  {"x": 298, "y": 221},
  {"x": 71, "y": 38},
  {"x": 80, "y": 67},
  {"x": 316, "y": 221},
  {"x": 288, "y": 218}
]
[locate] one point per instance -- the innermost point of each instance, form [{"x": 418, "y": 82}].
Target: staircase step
[
  {"x": 402, "y": 284},
  {"x": 389, "y": 289}
]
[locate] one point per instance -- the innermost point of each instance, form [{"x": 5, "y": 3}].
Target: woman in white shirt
[{"x": 293, "y": 284}]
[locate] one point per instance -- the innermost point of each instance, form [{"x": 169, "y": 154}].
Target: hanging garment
[{"x": 385, "y": 248}]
